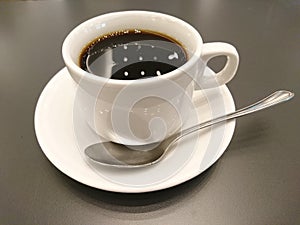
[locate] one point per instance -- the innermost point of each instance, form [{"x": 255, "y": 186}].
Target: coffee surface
[{"x": 132, "y": 54}]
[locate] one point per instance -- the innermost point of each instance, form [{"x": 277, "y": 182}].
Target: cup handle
[{"x": 211, "y": 50}]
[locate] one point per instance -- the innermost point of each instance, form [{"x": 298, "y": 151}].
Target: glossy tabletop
[{"x": 256, "y": 181}]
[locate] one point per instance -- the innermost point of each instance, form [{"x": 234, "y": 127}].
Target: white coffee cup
[{"x": 137, "y": 112}]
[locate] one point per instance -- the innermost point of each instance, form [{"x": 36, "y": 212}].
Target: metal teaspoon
[{"x": 122, "y": 156}]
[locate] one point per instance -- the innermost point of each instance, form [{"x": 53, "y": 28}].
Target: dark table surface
[{"x": 257, "y": 179}]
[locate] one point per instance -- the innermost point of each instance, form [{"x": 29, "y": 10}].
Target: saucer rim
[{"x": 129, "y": 189}]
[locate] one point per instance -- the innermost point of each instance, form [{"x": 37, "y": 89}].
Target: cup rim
[{"x": 94, "y": 78}]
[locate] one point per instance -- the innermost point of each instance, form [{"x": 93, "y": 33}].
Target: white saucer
[{"x": 54, "y": 126}]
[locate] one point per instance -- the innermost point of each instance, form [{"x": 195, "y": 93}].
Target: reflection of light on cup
[
  {"x": 147, "y": 119},
  {"x": 136, "y": 107}
]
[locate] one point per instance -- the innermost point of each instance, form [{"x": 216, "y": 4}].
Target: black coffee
[{"x": 132, "y": 54}]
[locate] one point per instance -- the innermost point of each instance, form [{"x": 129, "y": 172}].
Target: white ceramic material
[
  {"x": 54, "y": 126},
  {"x": 146, "y": 110}
]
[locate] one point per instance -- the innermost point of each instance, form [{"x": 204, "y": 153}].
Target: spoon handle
[{"x": 273, "y": 99}]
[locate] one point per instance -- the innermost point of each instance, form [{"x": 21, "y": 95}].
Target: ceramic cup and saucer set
[{"x": 162, "y": 84}]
